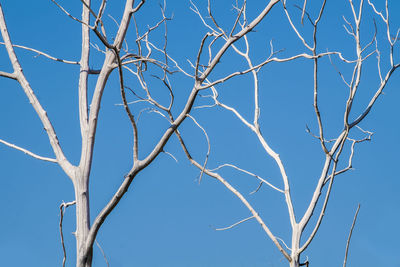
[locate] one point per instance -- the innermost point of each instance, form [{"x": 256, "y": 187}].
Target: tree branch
[
  {"x": 44, "y": 54},
  {"x": 20, "y": 77},
  {"x": 28, "y": 152},
  {"x": 8, "y": 75}
]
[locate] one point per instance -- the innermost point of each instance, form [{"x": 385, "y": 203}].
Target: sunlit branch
[
  {"x": 309, "y": 212},
  {"x": 274, "y": 59},
  {"x": 28, "y": 152},
  {"x": 294, "y": 27},
  {"x": 8, "y": 75},
  {"x": 42, "y": 114},
  {"x": 249, "y": 173},
  {"x": 235, "y": 224},
  {"x": 44, "y": 54},
  {"x": 127, "y": 109},
  {"x": 68, "y": 14}
]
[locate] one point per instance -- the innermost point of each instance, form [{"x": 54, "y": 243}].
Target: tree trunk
[
  {"x": 295, "y": 255},
  {"x": 295, "y": 261},
  {"x": 83, "y": 259}
]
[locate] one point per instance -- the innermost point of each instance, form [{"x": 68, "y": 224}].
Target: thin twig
[
  {"x": 63, "y": 206},
  {"x": 102, "y": 253},
  {"x": 235, "y": 224},
  {"x": 350, "y": 234},
  {"x": 208, "y": 145},
  {"x": 303, "y": 11},
  {"x": 28, "y": 152},
  {"x": 44, "y": 54},
  {"x": 68, "y": 14},
  {"x": 249, "y": 173}
]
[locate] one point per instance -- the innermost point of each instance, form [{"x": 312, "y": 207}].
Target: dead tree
[{"x": 366, "y": 50}]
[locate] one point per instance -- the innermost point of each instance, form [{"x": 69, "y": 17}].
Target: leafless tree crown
[{"x": 146, "y": 61}]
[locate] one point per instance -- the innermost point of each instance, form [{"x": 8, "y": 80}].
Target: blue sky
[{"x": 167, "y": 218}]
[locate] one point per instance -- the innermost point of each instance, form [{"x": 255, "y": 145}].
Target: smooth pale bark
[
  {"x": 81, "y": 179},
  {"x": 84, "y": 254}
]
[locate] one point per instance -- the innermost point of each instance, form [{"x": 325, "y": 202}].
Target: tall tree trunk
[
  {"x": 83, "y": 258},
  {"x": 295, "y": 255}
]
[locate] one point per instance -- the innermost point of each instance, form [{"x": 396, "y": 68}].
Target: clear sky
[{"x": 167, "y": 218}]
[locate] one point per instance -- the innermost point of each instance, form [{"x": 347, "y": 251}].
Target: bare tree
[
  {"x": 366, "y": 50},
  {"x": 152, "y": 60}
]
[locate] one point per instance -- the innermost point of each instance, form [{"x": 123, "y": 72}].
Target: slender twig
[
  {"x": 63, "y": 207},
  {"x": 235, "y": 224},
  {"x": 172, "y": 156},
  {"x": 303, "y": 11},
  {"x": 267, "y": 61},
  {"x": 28, "y": 152},
  {"x": 208, "y": 145},
  {"x": 249, "y": 173},
  {"x": 68, "y": 14},
  {"x": 350, "y": 234},
  {"x": 102, "y": 253},
  {"x": 44, "y": 54},
  {"x": 127, "y": 109}
]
